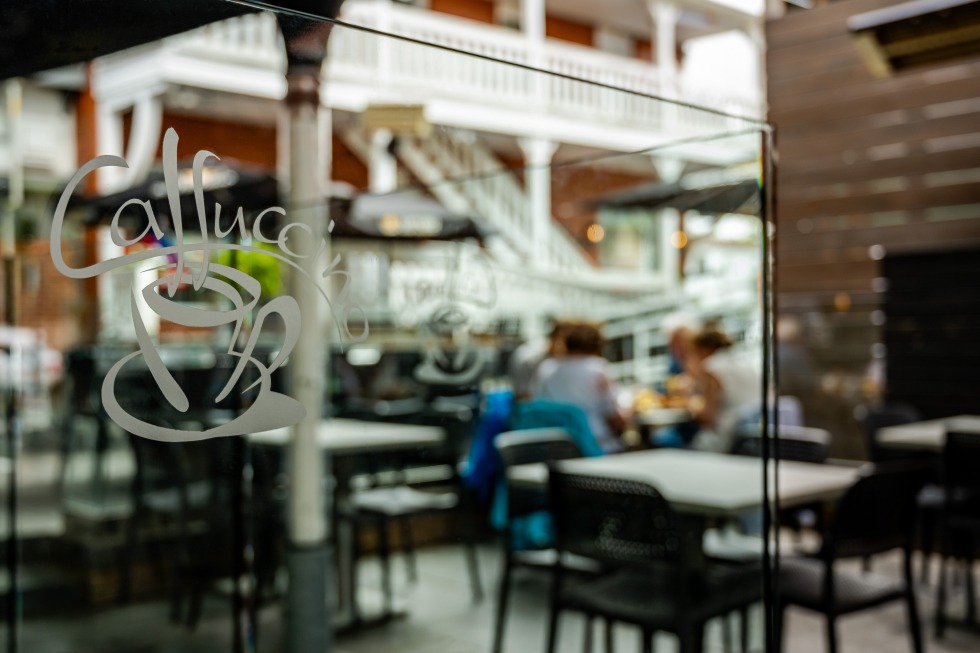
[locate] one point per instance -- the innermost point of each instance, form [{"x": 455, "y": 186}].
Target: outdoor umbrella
[
  {"x": 404, "y": 215},
  {"x": 734, "y": 197},
  {"x": 228, "y": 183}
]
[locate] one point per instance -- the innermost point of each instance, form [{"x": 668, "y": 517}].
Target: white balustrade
[{"x": 402, "y": 70}]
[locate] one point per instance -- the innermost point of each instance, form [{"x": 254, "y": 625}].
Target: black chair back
[
  {"x": 877, "y": 514},
  {"x": 798, "y": 443},
  {"x": 527, "y": 447},
  {"x": 875, "y": 419},
  {"x": 961, "y": 460},
  {"x": 961, "y": 478},
  {"x": 613, "y": 520},
  {"x": 535, "y": 446}
]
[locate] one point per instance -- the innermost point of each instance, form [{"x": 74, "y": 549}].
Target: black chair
[
  {"x": 959, "y": 517},
  {"x": 392, "y": 498},
  {"x": 876, "y": 418},
  {"x": 876, "y": 515},
  {"x": 520, "y": 448},
  {"x": 382, "y": 506},
  {"x": 660, "y": 582},
  {"x": 932, "y": 497},
  {"x": 181, "y": 508},
  {"x": 799, "y": 443}
]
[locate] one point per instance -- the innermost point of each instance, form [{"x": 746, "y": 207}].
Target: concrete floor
[{"x": 443, "y": 619}]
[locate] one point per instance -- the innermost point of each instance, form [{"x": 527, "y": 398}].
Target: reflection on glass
[{"x": 505, "y": 249}]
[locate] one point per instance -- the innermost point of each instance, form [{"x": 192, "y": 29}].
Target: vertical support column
[
  {"x": 109, "y": 140},
  {"x": 308, "y": 618},
  {"x": 665, "y": 15},
  {"x": 533, "y": 20},
  {"x": 533, "y": 27},
  {"x": 144, "y": 138},
  {"x": 670, "y": 170},
  {"x": 13, "y": 95},
  {"x": 537, "y": 161},
  {"x": 382, "y": 165},
  {"x": 641, "y": 352},
  {"x": 669, "y": 221},
  {"x": 757, "y": 34}
]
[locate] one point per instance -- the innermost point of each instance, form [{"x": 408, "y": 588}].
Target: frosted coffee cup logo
[{"x": 268, "y": 409}]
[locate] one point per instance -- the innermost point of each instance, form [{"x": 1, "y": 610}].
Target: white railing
[
  {"x": 493, "y": 193},
  {"x": 400, "y": 70},
  {"x": 251, "y": 40}
]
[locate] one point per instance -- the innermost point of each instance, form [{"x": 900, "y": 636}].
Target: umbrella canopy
[
  {"x": 228, "y": 183},
  {"x": 43, "y": 34},
  {"x": 405, "y": 215},
  {"x": 735, "y": 197}
]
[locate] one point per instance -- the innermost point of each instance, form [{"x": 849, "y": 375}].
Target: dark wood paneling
[
  {"x": 913, "y": 199},
  {"x": 860, "y": 163},
  {"x": 803, "y": 175}
]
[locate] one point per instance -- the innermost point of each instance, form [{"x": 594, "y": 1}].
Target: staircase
[{"x": 466, "y": 176}]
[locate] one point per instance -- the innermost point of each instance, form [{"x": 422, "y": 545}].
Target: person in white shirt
[{"x": 731, "y": 388}]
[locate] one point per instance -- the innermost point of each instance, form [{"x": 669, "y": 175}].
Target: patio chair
[
  {"x": 959, "y": 518},
  {"x": 932, "y": 497},
  {"x": 800, "y": 444},
  {"x": 519, "y": 448},
  {"x": 660, "y": 584},
  {"x": 873, "y": 419},
  {"x": 875, "y": 516},
  {"x": 393, "y": 499},
  {"x": 180, "y": 501}
]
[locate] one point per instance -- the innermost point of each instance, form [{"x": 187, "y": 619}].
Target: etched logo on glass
[{"x": 268, "y": 409}]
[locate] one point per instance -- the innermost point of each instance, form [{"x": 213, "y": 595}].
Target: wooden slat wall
[{"x": 861, "y": 162}]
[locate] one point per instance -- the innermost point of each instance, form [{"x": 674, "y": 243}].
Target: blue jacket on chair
[{"x": 535, "y": 531}]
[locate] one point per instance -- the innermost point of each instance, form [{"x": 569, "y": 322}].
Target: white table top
[
  {"x": 351, "y": 436},
  {"x": 929, "y": 435},
  {"x": 707, "y": 483}
]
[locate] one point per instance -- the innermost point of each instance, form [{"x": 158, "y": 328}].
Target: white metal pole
[{"x": 308, "y": 616}]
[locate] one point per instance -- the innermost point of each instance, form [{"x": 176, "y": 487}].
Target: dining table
[
  {"x": 927, "y": 435},
  {"x": 708, "y": 489},
  {"x": 345, "y": 440},
  {"x": 708, "y": 484}
]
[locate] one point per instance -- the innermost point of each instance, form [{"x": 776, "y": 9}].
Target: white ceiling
[{"x": 633, "y": 17}]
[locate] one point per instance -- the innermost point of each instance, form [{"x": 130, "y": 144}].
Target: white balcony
[{"x": 244, "y": 56}]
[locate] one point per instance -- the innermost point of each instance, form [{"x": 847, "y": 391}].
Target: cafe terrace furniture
[
  {"x": 960, "y": 516},
  {"x": 396, "y": 502},
  {"x": 659, "y": 583},
  {"x": 928, "y": 435},
  {"x": 710, "y": 485},
  {"x": 345, "y": 440},
  {"x": 799, "y": 443},
  {"x": 702, "y": 487},
  {"x": 932, "y": 497},
  {"x": 516, "y": 448},
  {"x": 876, "y": 515},
  {"x": 876, "y": 418},
  {"x": 181, "y": 499},
  {"x": 924, "y": 438}
]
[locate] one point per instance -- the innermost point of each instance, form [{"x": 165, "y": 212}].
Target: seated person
[
  {"x": 580, "y": 376},
  {"x": 680, "y": 331},
  {"x": 731, "y": 389}
]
